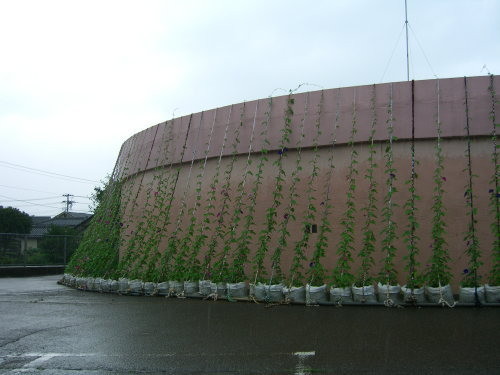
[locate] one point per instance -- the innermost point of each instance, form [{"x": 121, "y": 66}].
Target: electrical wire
[
  {"x": 20, "y": 188},
  {"x": 45, "y": 173},
  {"x": 34, "y": 204},
  {"x": 392, "y": 54},
  {"x": 25, "y": 200}
]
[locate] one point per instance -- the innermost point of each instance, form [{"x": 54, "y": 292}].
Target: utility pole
[
  {"x": 68, "y": 202},
  {"x": 407, "y": 53}
]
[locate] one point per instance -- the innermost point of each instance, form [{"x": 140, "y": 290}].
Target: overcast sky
[{"x": 77, "y": 78}]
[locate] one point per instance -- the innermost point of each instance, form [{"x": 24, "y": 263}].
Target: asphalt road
[{"x": 46, "y": 328}]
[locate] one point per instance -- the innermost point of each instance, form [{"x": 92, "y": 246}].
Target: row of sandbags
[{"x": 278, "y": 293}]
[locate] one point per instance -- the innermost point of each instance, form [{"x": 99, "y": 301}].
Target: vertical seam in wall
[{"x": 182, "y": 157}]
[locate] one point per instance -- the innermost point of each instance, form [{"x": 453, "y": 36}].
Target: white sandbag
[
  {"x": 150, "y": 288},
  {"x": 81, "y": 283},
  {"x": 316, "y": 294},
  {"x": 221, "y": 290},
  {"x": 295, "y": 294},
  {"x": 105, "y": 285},
  {"x": 65, "y": 279},
  {"x": 258, "y": 292},
  {"x": 113, "y": 286},
  {"x": 206, "y": 287},
  {"x": 91, "y": 284},
  {"x": 468, "y": 295},
  {"x": 364, "y": 294},
  {"x": 136, "y": 287},
  {"x": 176, "y": 288},
  {"x": 274, "y": 293},
  {"x": 492, "y": 293},
  {"x": 123, "y": 286},
  {"x": 434, "y": 294},
  {"x": 97, "y": 284},
  {"x": 237, "y": 290},
  {"x": 267, "y": 293},
  {"x": 163, "y": 288},
  {"x": 389, "y": 293},
  {"x": 416, "y": 295},
  {"x": 71, "y": 281},
  {"x": 191, "y": 288},
  {"x": 341, "y": 295}
]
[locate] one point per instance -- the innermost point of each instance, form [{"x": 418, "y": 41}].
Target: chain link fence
[{"x": 36, "y": 250}]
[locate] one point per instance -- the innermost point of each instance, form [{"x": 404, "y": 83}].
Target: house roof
[{"x": 42, "y": 224}]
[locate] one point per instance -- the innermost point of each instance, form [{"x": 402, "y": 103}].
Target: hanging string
[
  {"x": 470, "y": 193},
  {"x": 412, "y": 188}
]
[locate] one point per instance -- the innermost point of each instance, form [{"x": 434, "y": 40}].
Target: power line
[
  {"x": 45, "y": 173},
  {"x": 34, "y": 204},
  {"x": 20, "y": 188},
  {"x": 33, "y": 199}
]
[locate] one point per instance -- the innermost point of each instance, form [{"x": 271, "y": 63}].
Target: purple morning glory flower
[
  {"x": 392, "y": 175},
  {"x": 280, "y": 152},
  {"x": 322, "y": 204},
  {"x": 444, "y": 178},
  {"x": 285, "y": 149},
  {"x": 490, "y": 191},
  {"x": 285, "y": 216},
  {"x": 466, "y": 271},
  {"x": 311, "y": 264}
]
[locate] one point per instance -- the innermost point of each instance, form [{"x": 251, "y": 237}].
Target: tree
[
  {"x": 14, "y": 221},
  {"x": 99, "y": 194}
]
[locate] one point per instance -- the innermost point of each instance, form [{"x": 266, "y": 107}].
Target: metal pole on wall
[{"x": 407, "y": 53}]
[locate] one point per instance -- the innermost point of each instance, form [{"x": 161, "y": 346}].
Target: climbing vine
[
  {"x": 289, "y": 212},
  {"x": 209, "y": 215},
  {"x": 220, "y": 237},
  {"x": 370, "y": 210},
  {"x": 165, "y": 188},
  {"x": 148, "y": 222},
  {"x": 128, "y": 199},
  {"x": 316, "y": 272},
  {"x": 494, "y": 193},
  {"x": 241, "y": 250},
  {"x": 168, "y": 270},
  {"x": 247, "y": 232},
  {"x": 277, "y": 196},
  {"x": 341, "y": 275},
  {"x": 97, "y": 253},
  {"x": 470, "y": 277},
  {"x": 414, "y": 280},
  {"x": 439, "y": 272},
  {"x": 388, "y": 273}
]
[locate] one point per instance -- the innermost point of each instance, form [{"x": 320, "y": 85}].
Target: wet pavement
[{"x": 46, "y": 328}]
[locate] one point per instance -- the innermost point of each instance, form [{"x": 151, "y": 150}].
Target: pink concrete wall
[
  {"x": 213, "y": 133},
  {"x": 147, "y": 146}
]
